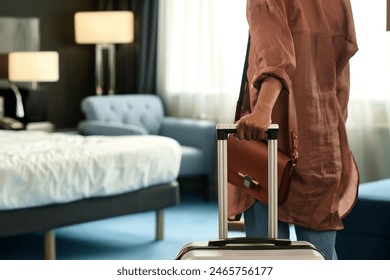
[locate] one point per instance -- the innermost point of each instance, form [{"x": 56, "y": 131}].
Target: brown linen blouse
[{"x": 307, "y": 44}]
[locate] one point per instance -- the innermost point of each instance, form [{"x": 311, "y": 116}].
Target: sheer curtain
[
  {"x": 201, "y": 49},
  {"x": 369, "y": 107},
  {"x": 200, "y": 57}
]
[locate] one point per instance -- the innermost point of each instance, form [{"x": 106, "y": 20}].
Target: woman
[{"x": 302, "y": 48}]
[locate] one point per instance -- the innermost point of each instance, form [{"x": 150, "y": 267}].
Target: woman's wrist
[{"x": 268, "y": 94}]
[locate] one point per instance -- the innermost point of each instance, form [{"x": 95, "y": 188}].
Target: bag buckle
[{"x": 248, "y": 180}]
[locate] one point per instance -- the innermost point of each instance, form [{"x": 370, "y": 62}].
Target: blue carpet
[{"x": 130, "y": 237}]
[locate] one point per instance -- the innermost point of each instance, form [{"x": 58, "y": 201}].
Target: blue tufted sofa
[
  {"x": 366, "y": 233},
  {"x": 140, "y": 114}
]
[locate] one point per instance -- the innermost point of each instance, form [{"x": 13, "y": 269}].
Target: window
[{"x": 201, "y": 53}]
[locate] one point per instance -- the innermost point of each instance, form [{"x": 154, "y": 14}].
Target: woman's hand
[{"x": 254, "y": 125}]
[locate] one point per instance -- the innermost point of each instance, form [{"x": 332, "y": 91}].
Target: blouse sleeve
[{"x": 272, "y": 48}]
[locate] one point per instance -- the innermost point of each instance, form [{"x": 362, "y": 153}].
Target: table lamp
[
  {"x": 31, "y": 67},
  {"x": 104, "y": 29}
]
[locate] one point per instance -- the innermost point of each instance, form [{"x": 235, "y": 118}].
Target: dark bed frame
[{"x": 49, "y": 217}]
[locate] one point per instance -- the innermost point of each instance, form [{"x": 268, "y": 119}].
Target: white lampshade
[
  {"x": 104, "y": 27},
  {"x": 33, "y": 66}
]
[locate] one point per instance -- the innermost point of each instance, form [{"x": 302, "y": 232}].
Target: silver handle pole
[
  {"x": 273, "y": 182},
  {"x": 222, "y": 189},
  {"x": 223, "y": 131}
]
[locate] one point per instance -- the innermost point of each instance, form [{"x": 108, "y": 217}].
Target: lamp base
[{"x": 103, "y": 51}]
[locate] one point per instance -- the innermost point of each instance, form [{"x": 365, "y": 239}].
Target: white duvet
[{"x": 39, "y": 168}]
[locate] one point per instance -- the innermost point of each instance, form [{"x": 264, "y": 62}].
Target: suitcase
[{"x": 243, "y": 248}]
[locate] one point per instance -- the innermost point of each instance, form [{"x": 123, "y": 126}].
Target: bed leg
[
  {"x": 159, "y": 224},
  {"x": 50, "y": 245}
]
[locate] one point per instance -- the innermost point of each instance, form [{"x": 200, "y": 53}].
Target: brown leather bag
[
  {"x": 248, "y": 169},
  {"x": 248, "y": 160}
]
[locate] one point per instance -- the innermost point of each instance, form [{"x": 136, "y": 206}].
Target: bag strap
[
  {"x": 293, "y": 126},
  {"x": 292, "y": 113},
  {"x": 244, "y": 81}
]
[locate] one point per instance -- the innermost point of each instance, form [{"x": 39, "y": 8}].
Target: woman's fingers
[{"x": 249, "y": 129}]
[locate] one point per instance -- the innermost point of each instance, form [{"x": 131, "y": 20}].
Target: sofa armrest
[
  {"x": 193, "y": 133},
  {"x": 109, "y": 129}
]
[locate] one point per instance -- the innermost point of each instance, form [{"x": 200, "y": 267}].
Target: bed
[{"x": 50, "y": 180}]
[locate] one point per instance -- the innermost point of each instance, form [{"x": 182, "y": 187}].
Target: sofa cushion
[
  {"x": 371, "y": 214},
  {"x": 191, "y": 162},
  {"x": 366, "y": 233},
  {"x": 145, "y": 110},
  {"x": 109, "y": 129}
]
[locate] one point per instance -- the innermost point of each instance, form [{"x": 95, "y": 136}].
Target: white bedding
[{"x": 39, "y": 168}]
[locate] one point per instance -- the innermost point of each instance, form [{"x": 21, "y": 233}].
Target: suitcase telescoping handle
[{"x": 223, "y": 131}]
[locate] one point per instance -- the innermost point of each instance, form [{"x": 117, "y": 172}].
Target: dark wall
[{"x": 76, "y": 61}]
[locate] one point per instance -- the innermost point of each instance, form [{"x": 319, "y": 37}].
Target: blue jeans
[{"x": 256, "y": 224}]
